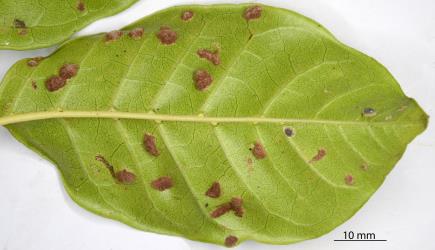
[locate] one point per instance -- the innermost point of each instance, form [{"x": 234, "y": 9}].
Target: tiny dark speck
[
  {"x": 288, "y": 132},
  {"x": 369, "y": 112}
]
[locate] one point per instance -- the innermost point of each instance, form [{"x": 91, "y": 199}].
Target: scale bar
[{"x": 360, "y": 240}]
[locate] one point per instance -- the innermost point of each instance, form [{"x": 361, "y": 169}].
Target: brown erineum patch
[
  {"x": 162, "y": 183},
  {"x": 186, "y": 15},
  {"x": 320, "y": 154},
  {"x": 214, "y": 191},
  {"x": 349, "y": 180},
  {"x": 81, "y": 6},
  {"x": 237, "y": 206},
  {"x": 253, "y": 12},
  {"x": 202, "y": 79},
  {"x": 258, "y": 151},
  {"x": 55, "y": 83},
  {"x": 68, "y": 71},
  {"x": 209, "y": 55},
  {"x": 125, "y": 177},
  {"x": 113, "y": 35},
  {"x": 149, "y": 142},
  {"x": 231, "y": 241},
  {"x": 221, "y": 210},
  {"x": 136, "y": 33},
  {"x": 33, "y": 62},
  {"x": 166, "y": 35}
]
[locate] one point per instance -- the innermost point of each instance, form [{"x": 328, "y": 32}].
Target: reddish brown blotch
[
  {"x": 186, "y": 15},
  {"x": 162, "y": 183},
  {"x": 214, "y": 191},
  {"x": 149, "y": 142},
  {"x": 202, "y": 79},
  {"x": 136, "y": 33},
  {"x": 210, "y": 56},
  {"x": 253, "y": 12},
  {"x": 166, "y": 35},
  {"x": 231, "y": 241},
  {"x": 258, "y": 151},
  {"x": 320, "y": 154}
]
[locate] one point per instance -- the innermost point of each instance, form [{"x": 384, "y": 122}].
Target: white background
[{"x": 36, "y": 213}]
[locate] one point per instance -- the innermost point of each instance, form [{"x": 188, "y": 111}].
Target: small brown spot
[
  {"x": 81, "y": 6},
  {"x": 34, "y": 86},
  {"x": 369, "y": 112},
  {"x": 55, "y": 83},
  {"x": 186, "y": 15},
  {"x": 202, "y": 79},
  {"x": 237, "y": 206},
  {"x": 211, "y": 56},
  {"x": 113, "y": 35},
  {"x": 33, "y": 62},
  {"x": 162, "y": 183},
  {"x": 19, "y": 24},
  {"x": 289, "y": 132},
  {"x": 214, "y": 191},
  {"x": 258, "y": 151},
  {"x": 231, "y": 241},
  {"x": 320, "y": 154},
  {"x": 349, "y": 180},
  {"x": 149, "y": 142},
  {"x": 365, "y": 166},
  {"x": 167, "y": 35},
  {"x": 253, "y": 12},
  {"x": 125, "y": 177},
  {"x": 136, "y": 33},
  {"x": 68, "y": 71},
  {"x": 221, "y": 210}
]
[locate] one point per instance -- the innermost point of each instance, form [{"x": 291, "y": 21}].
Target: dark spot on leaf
[
  {"x": 349, "y": 180},
  {"x": 365, "y": 166},
  {"x": 162, "y": 183},
  {"x": 369, "y": 112},
  {"x": 258, "y": 151},
  {"x": 55, "y": 83},
  {"x": 136, "y": 33},
  {"x": 81, "y": 6},
  {"x": 231, "y": 241},
  {"x": 202, "y": 79},
  {"x": 214, "y": 191},
  {"x": 221, "y": 210},
  {"x": 113, "y": 35},
  {"x": 211, "y": 56},
  {"x": 186, "y": 15},
  {"x": 19, "y": 24},
  {"x": 33, "y": 62},
  {"x": 125, "y": 177},
  {"x": 166, "y": 35},
  {"x": 206, "y": 205},
  {"x": 237, "y": 206},
  {"x": 34, "y": 86},
  {"x": 149, "y": 143},
  {"x": 68, "y": 71},
  {"x": 289, "y": 132},
  {"x": 253, "y": 12},
  {"x": 320, "y": 154},
  {"x": 103, "y": 160}
]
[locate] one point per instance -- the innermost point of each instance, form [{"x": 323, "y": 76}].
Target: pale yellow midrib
[{"x": 18, "y": 118}]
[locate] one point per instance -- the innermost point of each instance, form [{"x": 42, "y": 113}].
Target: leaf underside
[
  {"x": 296, "y": 126},
  {"x": 31, "y": 24}
]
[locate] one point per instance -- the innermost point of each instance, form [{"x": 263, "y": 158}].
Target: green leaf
[
  {"x": 239, "y": 122},
  {"x": 31, "y": 24}
]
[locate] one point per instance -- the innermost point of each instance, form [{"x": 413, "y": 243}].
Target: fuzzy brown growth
[
  {"x": 33, "y": 62},
  {"x": 81, "y": 6},
  {"x": 221, "y": 210},
  {"x": 202, "y": 79},
  {"x": 68, "y": 71},
  {"x": 349, "y": 180},
  {"x": 149, "y": 143},
  {"x": 136, "y": 33},
  {"x": 320, "y": 154},
  {"x": 162, "y": 183},
  {"x": 34, "y": 86},
  {"x": 186, "y": 15},
  {"x": 258, "y": 151},
  {"x": 113, "y": 35},
  {"x": 231, "y": 241},
  {"x": 211, "y": 56},
  {"x": 237, "y": 206},
  {"x": 125, "y": 177},
  {"x": 253, "y": 12},
  {"x": 214, "y": 191},
  {"x": 19, "y": 24},
  {"x": 166, "y": 35},
  {"x": 55, "y": 83}
]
